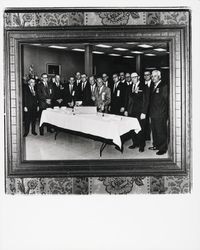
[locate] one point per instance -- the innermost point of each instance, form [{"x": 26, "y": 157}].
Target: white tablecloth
[{"x": 107, "y": 126}]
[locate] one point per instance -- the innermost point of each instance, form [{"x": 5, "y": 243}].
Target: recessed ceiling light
[
  {"x": 149, "y": 54},
  {"x": 36, "y": 44},
  {"x": 164, "y": 67},
  {"x": 150, "y": 68},
  {"x": 137, "y": 52},
  {"x": 128, "y": 56},
  {"x": 131, "y": 43},
  {"x": 160, "y": 49},
  {"x": 114, "y": 55},
  {"x": 80, "y": 50},
  {"x": 97, "y": 52},
  {"x": 57, "y": 47},
  {"x": 145, "y": 46},
  {"x": 120, "y": 49},
  {"x": 103, "y": 46}
]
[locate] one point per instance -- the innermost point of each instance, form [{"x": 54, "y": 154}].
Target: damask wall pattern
[{"x": 95, "y": 185}]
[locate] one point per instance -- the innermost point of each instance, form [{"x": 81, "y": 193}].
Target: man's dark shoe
[
  {"x": 161, "y": 152},
  {"x": 133, "y": 146},
  {"x": 34, "y": 133},
  {"x": 153, "y": 148},
  {"x": 50, "y": 130},
  {"x": 141, "y": 149},
  {"x": 25, "y": 135}
]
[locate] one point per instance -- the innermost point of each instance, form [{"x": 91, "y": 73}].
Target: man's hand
[
  {"x": 126, "y": 113},
  {"x": 38, "y": 108},
  {"x": 122, "y": 109},
  {"x": 48, "y": 101},
  {"x": 142, "y": 116},
  {"x": 25, "y": 109},
  {"x": 59, "y": 100},
  {"x": 93, "y": 98}
]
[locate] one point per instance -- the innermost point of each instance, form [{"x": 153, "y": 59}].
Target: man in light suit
[
  {"x": 93, "y": 88},
  {"x": 106, "y": 81},
  {"x": 30, "y": 106},
  {"x": 102, "y": 96},
  {"x": 158, "y": 112},
  {"x": 58, "y": 89}
]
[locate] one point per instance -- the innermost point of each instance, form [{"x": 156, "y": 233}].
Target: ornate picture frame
[{"x": 178, "y": 38}]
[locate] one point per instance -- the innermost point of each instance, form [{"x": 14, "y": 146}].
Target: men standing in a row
[
  {"x": 30, "y": 107},
  {"x": 135, "y": 108},
  {"x": 45, "y": 97},
  {"x": 117, "y": 96},
  {"x": 102, "y": 96},
  {"x": 158, "y": 112}
]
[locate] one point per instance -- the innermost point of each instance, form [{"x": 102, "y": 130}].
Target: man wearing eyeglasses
[
  {"x": 158, "y": 112},
  {"x": 135, "y": 107}
]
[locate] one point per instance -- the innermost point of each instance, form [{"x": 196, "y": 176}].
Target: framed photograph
[
  {"x": 53, "y": 69},
  {"x": 84, "y": 142}
]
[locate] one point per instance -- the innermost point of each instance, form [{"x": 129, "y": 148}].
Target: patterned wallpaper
[{"x": 97, "y": 185}]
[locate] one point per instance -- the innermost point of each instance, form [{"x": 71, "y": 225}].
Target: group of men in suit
[{"x": 124, "y": 95}]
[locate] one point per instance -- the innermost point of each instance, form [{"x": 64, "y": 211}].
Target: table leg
[
  {"x": 57, "y": 132},
  {"x": 103, "y": 145}
]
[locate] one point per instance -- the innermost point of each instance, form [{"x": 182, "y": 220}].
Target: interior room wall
[{"x": 70, "y": 62}]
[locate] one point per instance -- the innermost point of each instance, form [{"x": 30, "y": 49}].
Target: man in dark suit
[
  {"x": 78, "y": 85},
  {"x": 85, "y": 91},
  {"x": 30, "y": 106},
  {"x": 117, "y": 96},
  {"x": 45, "y": 92},
  {"x": 158, "y": 112},
  {"x": 58, "y": 90},
  {"x": 70, "y": 93},
  {"x": 135, "y": 107},
  {"x": 148, "y": 86}
]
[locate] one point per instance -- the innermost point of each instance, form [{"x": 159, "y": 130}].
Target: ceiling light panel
[
  {"x": 150, "y": 54},
  {"x": 57, "y": 47},
  {"x": 97, "y": 52},
  {"x": 114, "y": 55},
  {"x": 80, "y": 50},
  {"x": 137, "y": 52},
  {"x": 145, "y": 46},
  {"x": 104, "y": 46},
  {"x": 160, "y": 49},
  {"x": 120, "y": 49},
  {"x": 128, "y": 56}
]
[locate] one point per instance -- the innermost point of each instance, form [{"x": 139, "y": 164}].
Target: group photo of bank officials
[{"x": 144, "y": 97}]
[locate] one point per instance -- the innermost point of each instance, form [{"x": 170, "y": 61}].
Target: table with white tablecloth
[{"x": 106, "y": 126}]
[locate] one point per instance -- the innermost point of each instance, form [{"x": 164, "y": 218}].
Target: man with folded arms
[
  {"x": 158, "y": 112},
  {"x": 92, "y": 82},
  {"x": 102, "y": 96},
  {"x": 135, "y": 107}
]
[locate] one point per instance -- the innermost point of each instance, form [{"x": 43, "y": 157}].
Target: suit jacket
[
  {"x": 70, "y": 96},
  {"x": 147, "y": 96},
  {"x": 78, "y": 89},
  {"x": 102, "y": 97},
  {"x": 29, "y": 100},
  {"x": 135, "y": 102},
  {"x": 45, "y": 93},
  {"x": 118, "y": 98},
  {"x": 86, "y": 95},
  {"x": 159, "y": 101},
  {"x": 93, "y": 91},
  {"x": 58, "y": 93}
]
